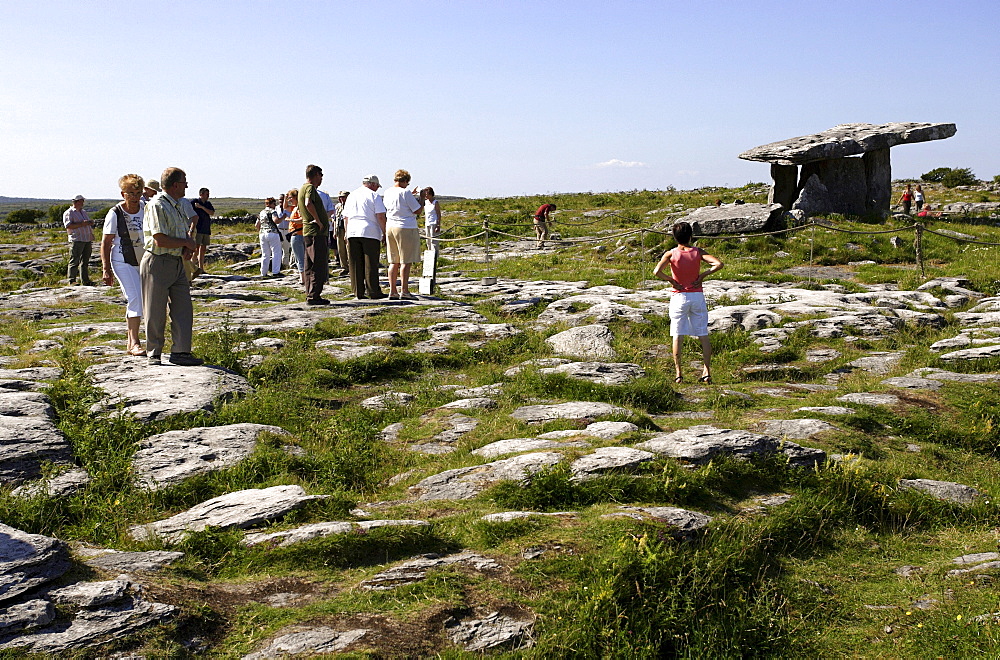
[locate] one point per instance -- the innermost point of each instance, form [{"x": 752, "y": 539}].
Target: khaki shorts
[
  {"x": 403, "y": 245},
  {"x": 202, "y": 239}
]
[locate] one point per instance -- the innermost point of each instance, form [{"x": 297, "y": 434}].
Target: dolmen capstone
[{"x": 830, "y": 181}]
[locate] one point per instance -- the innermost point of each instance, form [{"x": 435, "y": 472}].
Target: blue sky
[{"x": 476, "y": 98}]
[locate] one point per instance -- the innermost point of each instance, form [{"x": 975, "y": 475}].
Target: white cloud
[{"x": 614, "y": 162}]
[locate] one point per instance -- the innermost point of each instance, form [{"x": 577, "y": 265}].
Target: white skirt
[{"x": 688, "y": 314}]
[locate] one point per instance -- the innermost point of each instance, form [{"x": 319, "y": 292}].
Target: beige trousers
[{"x": 164, "y": 283}]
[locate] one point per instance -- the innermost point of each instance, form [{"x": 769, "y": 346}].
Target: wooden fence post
[{"x": 918, "y": 246}]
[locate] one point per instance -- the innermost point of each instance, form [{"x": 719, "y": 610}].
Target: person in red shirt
[
  {"x": 540, "y": 221},
  {"x": 906, "y": 199},
  {"x": 688, "y": 311}
]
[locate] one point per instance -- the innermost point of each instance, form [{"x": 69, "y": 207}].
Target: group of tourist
[
  {"x": 306, "y": 227},
  {"x": 155, "y": 240}
]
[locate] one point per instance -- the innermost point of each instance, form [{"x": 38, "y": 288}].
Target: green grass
[{"x": 792, "y": 581}]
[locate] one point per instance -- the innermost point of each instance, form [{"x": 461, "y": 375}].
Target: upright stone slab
[
  {"x": 878, "y": 176},
  {"x": 785, "y": 188},
  {"x": 844, "y": 179}
]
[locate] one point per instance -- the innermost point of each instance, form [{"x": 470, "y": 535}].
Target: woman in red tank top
[{"x": 688, "y": 311}]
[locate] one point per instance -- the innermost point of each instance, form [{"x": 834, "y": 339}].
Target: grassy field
[{"x": 815, "y": 577}]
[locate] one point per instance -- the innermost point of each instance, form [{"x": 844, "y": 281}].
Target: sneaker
[
  {"x": 317, "y": 301},
  {"x": 153, "y": 360},
  {"x": 185, "y": 360}
]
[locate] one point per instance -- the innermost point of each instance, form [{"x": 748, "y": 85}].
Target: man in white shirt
[{"x": 364, "y": 212}]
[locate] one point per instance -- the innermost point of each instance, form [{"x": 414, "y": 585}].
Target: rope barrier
[{"x": 918, "y": 228}]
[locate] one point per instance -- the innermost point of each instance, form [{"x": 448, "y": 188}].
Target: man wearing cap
[
  {"x": 338, "y": 233},
  {"x": 365, "y": 214},
  {"x": 80, "y": 229},
  {"x": 315, "y": 236},
  {"x": 151, "y": 188},
  {"x": 164, "y": 282}
]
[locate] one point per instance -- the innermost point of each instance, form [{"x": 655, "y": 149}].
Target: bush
[
  {"x": 55, "y": 212},
  {"x": 25, "y": 216},
  {"x": 236, "y": 213},
  {"x": 960, "y": 176},
  {"x": 935, "y": 175}
]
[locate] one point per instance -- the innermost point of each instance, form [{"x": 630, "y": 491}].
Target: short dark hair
[
  {"x": 202, "y": 190},
  {"x": 682, "y": 232},
  {"x": 171, "y": 176},
  {"x": 313, "y": 170}
]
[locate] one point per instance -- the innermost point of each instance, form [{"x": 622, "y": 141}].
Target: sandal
[
  {"x": 137, "y": 351},
  {"x": 678, "y": 379},
  {"x": 705, "y": 379}
]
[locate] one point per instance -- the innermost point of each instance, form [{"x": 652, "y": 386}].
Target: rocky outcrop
[
  {"x": 28, "y": 561},
  {"x": 588, "y": 342}
]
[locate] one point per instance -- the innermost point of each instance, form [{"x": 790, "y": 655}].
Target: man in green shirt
[{"x": 315, "y": 235}]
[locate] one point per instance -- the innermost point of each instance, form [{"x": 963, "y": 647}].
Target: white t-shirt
[
  {"x": 359, "y": 212},
  {"x": 430, "y": 212},
  {"x": 134, "y": 223},
  {"x": 401, "y": 208}
]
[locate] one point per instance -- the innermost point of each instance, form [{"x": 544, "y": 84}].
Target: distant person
[
  {"x": 918, "y": 198},
  {"x": 165, "y": 227},
  {"x": 315, "y": 237},
  {"x": 295, "y": 239},
  {"x": 927, "y": 213},
  {"x": 289, "y": 202},
  {"x": 203, "y": 229},
  {"x": 906, "y": 199},
  {"x": 331, "y": 207},
  {"x": 121, "y": 253},
  {"x": 366, "y": 218},
  {"x": 432, "y": 217},
  {"x": 339, "y": 228},
  {"x": 149, "y": 190},
  {"x": 688, "y": 311},
  {"x": 402, "y": 234},
  {"x": 541, "y": 221},
  {"x": 80, "y": 231},
  {"x": 270, "y": 238}
]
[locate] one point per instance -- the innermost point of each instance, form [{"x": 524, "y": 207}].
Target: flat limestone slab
[
  {"x": 157, "y": 392},
  {"x": 242, "y": 509},
  {"x": 465, "y": 483},
  {"x": 289, "y": 537},
  {"x": 313, "y": 641},
  {"x": 570, "y": 410},
  {"x": 169, "y": 458},
  {"x": 846, "y": 140}
]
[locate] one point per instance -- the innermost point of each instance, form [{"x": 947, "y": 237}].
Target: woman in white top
[
  {"x": 432, "y": 217},
  {"x": 115, "y": 260},
  {"x": 270, "y": 238},
  {"x": 402, "y": 234}
]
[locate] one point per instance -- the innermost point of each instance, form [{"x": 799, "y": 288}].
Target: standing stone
[
  {"x": 844, "y": 179},
  {"x": 814, "y": 199},
  {"x": 878, "y": 175},
  {"x": 786, "y": 179}
]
